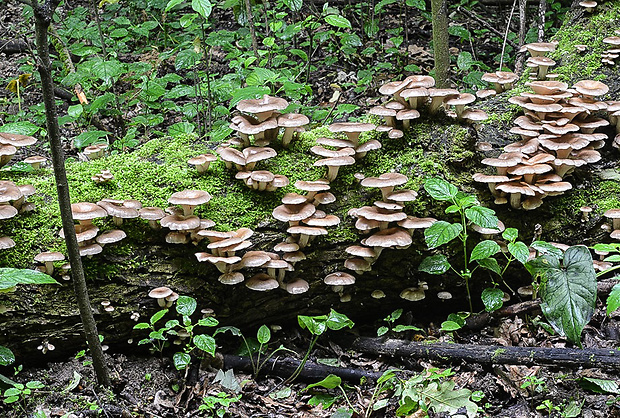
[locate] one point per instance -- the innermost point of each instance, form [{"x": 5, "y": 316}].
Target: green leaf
[
  {"x": 613, "y": 300},
  {"x": 464, "y": 61},
  {"x": 89, "y": 138},
  {"x": 202, "y": 7},
  {"x": 599, "y": 385},
  {"x": 158, "y": 315},
  {"x": 490, "y": 264},
  {"x": 382, "y": 331},
  {"x": 568, "y": 292},
  {"x": 459, "y": 31},
  {"x": 233, "y": 330},
  {"x": 440, "y": 189},
  {"x": 465, "y": 200},
  {"x": 418, "y": 4},
  {"x": 510, "y": 234},
  {"x": 35, "y": 384},
  {"x": 441, "y": 232},
  {"x": 315, "y": 324},
  {"x": 250, "y": 92},
  {"x": 12, "y": 392},
  {"x": 186, "y": 59},
  {"x": 171, "y": 4},
  {"x": 403, "y": 328},
  {"x": 294, "y": 5},
  {"x": 208, "y": 322},
  {"x": 452, "y": 209},
  {"x": 484, "y": 249},
  {"x": 330, "y": 382},
  {"x": 206, "y": 343},
  {"x": 10, "y": 277},
  {"x": 435, "y": 264},
  {"x": 336, "y": 321},
  {"x": 75, "y": 111},
  {"x": 546, "y": 248},
  {"x": 338, "y": 21},
  {"x": 613, "y": 258},
  {"x": 263, "y": 335},
  {"x": 20, "y": 128},
  {"x": 6, "y": 356},
  {"x": 181, "y": 128},
  {"x": 492, "y": 299},
  {"x": 607, "y": 247},
  {"x": 141, "y": 325},
  {"x": 450, "y": 326},
  {"x": 483, "y": 217},
  {"x": 181, "y": 360},
  {"x": 186, "y": 305},
  {"x": 519, "y": 251},
  {"x": 443, "y": 398}
]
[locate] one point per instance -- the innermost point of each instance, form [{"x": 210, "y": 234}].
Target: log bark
[
  {"x": 442, "y": 352},
  {"x": 311, "y": 372}
]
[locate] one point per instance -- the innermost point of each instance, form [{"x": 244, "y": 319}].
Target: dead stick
[
  {"x": 562, "y": 357},
  {"x": 485, "y": 24}
]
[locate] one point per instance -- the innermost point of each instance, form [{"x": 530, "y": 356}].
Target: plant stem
[{"x": 303, "y": 361}]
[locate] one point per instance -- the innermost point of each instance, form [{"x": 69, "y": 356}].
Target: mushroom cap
[
  {"x": 547, "y": 86},
  {"x": 312, "y": 231},
  {"x": 231, "y": 155},
  {"x": 417, "y": 81},
  {"x": 189, "y": 197},
  {"x": 297, "y": 287},
  {"x": 292, "y": 120},
  {"x": 339, "y": 278},
  {"x": 293, "y": 213},
  {"x": 160, "y": 292},
  {"x": 90, "y": 249},
  {"x": 312, "y": 186},
  {"x": 255, "y": 258},
  {"x": 35, "y": 159},
  {"x": 612, "y": 213},
  {"x": 179, "y": 222},
  {"x": 403, "y": 195},
  {"x": 591, "y": 87},
  {"x": 110, "y": 237},
  {"x": 335, "y": 142},
  {"x": 539, "y": 48},
  {"x": 360, "y": 251},
  {"x": 412, "y": 294},
  {"x": 393, "y": 87},
  {"x": 351, "y": 127},
  {"x": 264, "y": 104},
  {"x": 6, "y": 243},
  {"x": 231, "y": 278},
  {"x": 262, "y": 282},
  {"x": 328, "y": 153},
  {"x": 86, "y": 211},
  {"x": 202, "y": 159},
  {"x": 7, "y": 211},
  {"x": 335, "y": 161},
  {"x": 461, "y": 99},
  {"x": 49, "y": 256},
  {"x": 390, "y": 237},
  {"x": 293, "y": 199},
  {"x": 255, "y": 154},
  {"x": 16, "y": 140},
  {"x": 151, "y": 213},
  {"x": 411, "y": 222},
  {"x": 385, "y": 180},
  {"x": 118, "y": 211}
]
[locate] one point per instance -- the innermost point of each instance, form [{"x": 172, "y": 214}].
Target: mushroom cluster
[
  {"x": 104, "y": 176},
  {"x": 12, "y": 202},
  {"x": 501, "y": 80},
  {"x": 538, "y": 61},
  {"x": 614, "y": 215},
  {"x": 392, "y": 227},
  {"x": 183, "y": 224},
  {"x": 557, "y": 135},
  {"x": 94, "y": 152},
  {"x": 337, "y": 152},
  {"x": 245, "y": 161},
  {"x": 609, "y": 57},
  {"x": 261, "y": 120},
  {"x": 202, "y": 162},
  {"x": 10, "y": 143}
]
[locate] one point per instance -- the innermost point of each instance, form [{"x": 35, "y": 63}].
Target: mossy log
[{"x": 123, "y": 274}]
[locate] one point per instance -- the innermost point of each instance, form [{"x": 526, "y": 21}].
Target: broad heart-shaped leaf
[
  {"x": 263, "y": 335},
  {"x": 484, "y": 249},
  {"x": 202, "y": 7},
  {"x": 6, "y": 356},
  {"x": 440, "y": 189},
  {"x": 338, "y": 21},
  {"x": 613, "y": 300},
  {"x": 186, "y": 305},
  {"x": 519, "y": 251},
  {"x": 568, "y": 291},
  {"x": 483, "y": 217},
  {"x": 10, "y": 277},
  {"x": 181, "y": 360},
  {"x": 441, "y": 232},
  {"x": 206, "y": 343},
  {"x": 510, "y": 234},
  {"x": 443, "y": 398},
  {"x": 492, "y": 299},
  {"x": 435, "y": 264},
  {"x": 336, "y": 321}
]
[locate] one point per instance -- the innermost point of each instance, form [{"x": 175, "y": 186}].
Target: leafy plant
[
  {"x": 158, "y": 337},
  {"x": 391, "y": 319},
  {"x": 10, "y": 278},
  {"x": 217, "y": 405},
  {"x": 567, "y": 290}
]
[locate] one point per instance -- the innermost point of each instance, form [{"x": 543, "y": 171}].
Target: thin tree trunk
[
  {"x": 43, "y": 15},
  {"x": 522, "y": 30},
  {"x": 439, "y": 10},
  {"x": 248, "y": 10},
  {"x": 542, "y": 6}
]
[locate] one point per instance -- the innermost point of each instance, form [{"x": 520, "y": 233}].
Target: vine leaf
[{"x": 441, "y": 232}]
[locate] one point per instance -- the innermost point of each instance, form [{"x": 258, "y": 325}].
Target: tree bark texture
[
  {"x": 43, "y": 15},
  {"x": 439, "y": 10},
  {"x": 442, "y": 352}
]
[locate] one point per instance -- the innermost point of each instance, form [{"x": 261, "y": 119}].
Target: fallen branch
[
  {"x": 286, "y": 366},
  {"x": 562, "y": 357},
  {"x": 13, "y": 46}
]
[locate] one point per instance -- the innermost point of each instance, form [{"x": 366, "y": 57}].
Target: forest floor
[{"x": 146, "y": 385}]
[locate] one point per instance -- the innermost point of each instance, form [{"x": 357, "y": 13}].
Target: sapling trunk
[
  {"x": 43, "y": 16},
  {"x": 439, "y": 11}
]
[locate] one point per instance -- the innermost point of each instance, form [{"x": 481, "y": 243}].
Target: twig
[
  {"x": 485, "y": 24},
  {"x": 501, "y": 60}
]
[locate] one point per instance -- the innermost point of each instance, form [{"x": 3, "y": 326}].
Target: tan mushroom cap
[
  {"x": 90, "y": 249},
  {"x": 7, "y": 212},
  {"x": 189, "y": 199},
  {"x": 293, "y": 199},
  {"x": 391, "y": 237},
  {"x": 339, "y": 278},
  {"x": 231, "y": 278},
  {"x": 297, "y": 286},
  {"x": 49, "y": 256},
  {"x": 110, "y": 237},
  {"x": 361, "y": 251},
  {"x": 180, "y": 223},
  {"x": 86, "y": 211},
  {"x": 262, "y": 282},
  {"x": 538, "y": 48},
  {"x": 16, "y": 140},
  {"x": 333, "y": 164},
  {"x": 293, "y": 213},
  {"x": 160, "y": 292},
  {"x": 591, "y": 88},
  {"x": 412, "y": 294},
  {"x": 6, "y": 243},
  {"x": 265, "y": 105}
]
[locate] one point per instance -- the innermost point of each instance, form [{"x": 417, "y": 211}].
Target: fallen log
[
  {"x": 443, "y": 352},
  {"x": 284, "y": 367}
]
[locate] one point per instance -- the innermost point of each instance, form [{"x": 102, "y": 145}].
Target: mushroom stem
[
  {"x": 287, "y": 136},
  {"x": 332, "y": 172},
  {"x": 49, "y": 267},
  {"x": 515, "y": 200},
  {"x": 303, "y": 240}
]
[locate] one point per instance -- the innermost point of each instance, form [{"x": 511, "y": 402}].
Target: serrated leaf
[
  {"x": 510, "y": 234},
  {"x": 483, "y": 217},
  {"x": 492, "y": 299},
  {"x": 338, "y": 21},
  {"x": 568, "y": 292},
  {"x": 440, "y": 189},
  {"x": 206, "y": 343},
  {"x": 484, "y": 249},
  {"x": 441, "y": 232},
  {"x": 186, "y": 305},
  {"x": 613, "y": 300},
  {"x": 6, "y": 356},
  {"x": 181, "y": 360},
  {"x": 490, "y": 264},
  {"x": 519, "y": 251},
  {"x": 435, "y": 264}
]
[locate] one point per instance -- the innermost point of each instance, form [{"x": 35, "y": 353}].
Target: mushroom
[
  {"x": 48, "y": 259},
  {"x": 161, "y": 293}
]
